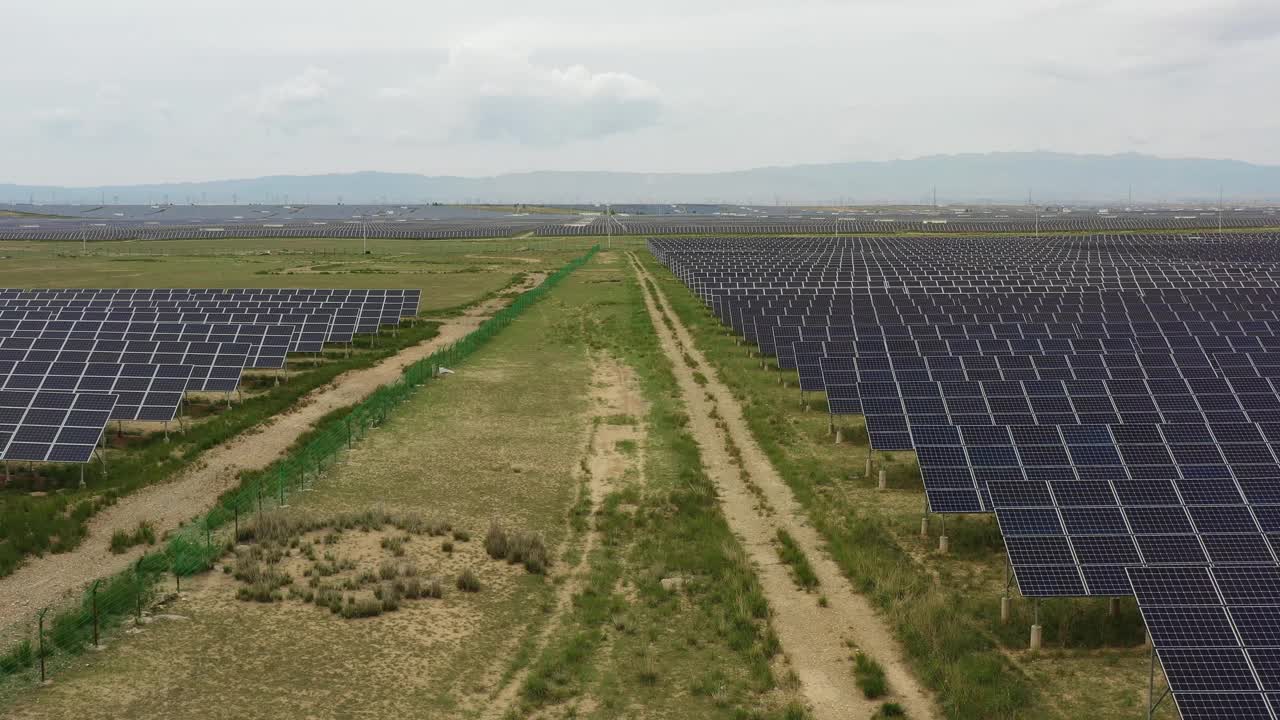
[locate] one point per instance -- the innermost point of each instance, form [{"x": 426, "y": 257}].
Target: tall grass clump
[{"x": 792, "y": 554}]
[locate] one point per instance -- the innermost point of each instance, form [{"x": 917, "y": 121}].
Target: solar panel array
[
  {"x": 142, "y": 350},
  {"x": 741, "y": 223},
  {"x": 1115, "y": 401}
]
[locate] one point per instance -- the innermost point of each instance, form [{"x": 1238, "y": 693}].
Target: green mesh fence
[{"x": 194, "y": 547}]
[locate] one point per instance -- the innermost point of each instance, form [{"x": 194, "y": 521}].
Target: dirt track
[
  {"x": 45, "y": 580},
  {"x": 614, "y": 390},
  {"x": 817, "y": 640}
]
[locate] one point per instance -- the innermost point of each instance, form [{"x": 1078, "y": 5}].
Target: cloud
[
  {"x": 303, "y": 101},
  {"x": 503, "y": 96},
  {"x": 1243, "y": 22}
]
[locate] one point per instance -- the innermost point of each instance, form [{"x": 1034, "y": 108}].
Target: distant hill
[{"x": 970, "y": 178}]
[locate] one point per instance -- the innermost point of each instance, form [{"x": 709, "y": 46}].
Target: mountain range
[{"x": 997, "y": 178}]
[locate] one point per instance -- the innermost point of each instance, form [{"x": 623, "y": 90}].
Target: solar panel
[{"x": 52, "y": 426}]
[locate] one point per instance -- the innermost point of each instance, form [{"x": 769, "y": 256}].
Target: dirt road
[{"x": 819, "y": 641}]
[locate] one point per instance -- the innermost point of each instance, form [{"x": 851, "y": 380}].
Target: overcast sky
[{"x": 163, "y": 90}]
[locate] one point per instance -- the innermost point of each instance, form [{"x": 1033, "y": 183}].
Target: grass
[
  {"x": 943, "y": 609},
  {"x": 703, "y": 651},
  {"x": 889, "y": 710},
  {"x": 468, "y": 581},
  {"x": 793, "y": 555},
  {"x": 121, "y": 541},
  {"x": 869, "y": 676}
]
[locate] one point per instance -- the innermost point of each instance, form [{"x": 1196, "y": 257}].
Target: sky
[{"x": 134, "y": 91}]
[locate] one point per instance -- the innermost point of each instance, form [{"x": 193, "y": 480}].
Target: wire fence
[{"x": 193, "y": 548}]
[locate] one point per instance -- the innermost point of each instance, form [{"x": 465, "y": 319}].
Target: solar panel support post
[
  {"x": 943, "y": 542},
  {"x": 882, "y": 484},
  {"x": 1153, "y": 702},
  {"x": 1005, "y": 601},
  {"x": 1037, "y": 632},
  {"x": 1113, "y": 607}
]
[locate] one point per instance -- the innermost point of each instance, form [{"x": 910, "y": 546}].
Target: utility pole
[
  {"x": 1219, "y": 209},
  {"x": 608, "y": 222}
]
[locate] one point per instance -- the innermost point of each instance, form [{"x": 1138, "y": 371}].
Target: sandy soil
[
  {"x": 45, "y": 580},
  {"x": 818, "y": 641}
]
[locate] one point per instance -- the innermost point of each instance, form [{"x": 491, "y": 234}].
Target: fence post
[
  {"x": 94, "y": 595},
  {"x": 137, "y": 598},
  {"x": 40, "y": 634}
]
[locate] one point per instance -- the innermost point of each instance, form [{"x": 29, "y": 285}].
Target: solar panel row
[{"x": 137, "y": 352}]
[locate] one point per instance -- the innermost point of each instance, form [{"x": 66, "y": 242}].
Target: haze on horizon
[{"x": 146, "y": 91}]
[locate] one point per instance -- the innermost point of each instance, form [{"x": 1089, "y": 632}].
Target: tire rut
[
  {"x": 818, "y": 641},
  {"x": 614, "y": 390}
]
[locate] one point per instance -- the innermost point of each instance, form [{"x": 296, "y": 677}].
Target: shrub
[
  {"x": 363, "y": 608},
  {"x": 461, "y": 535},
  {"x": 388, "y": 570},
  {"x": 412, "y": 588},
  {"x": 433, "y": 589},
  {"x": 496, "y": 542},
  {"x": 395, "y": 545},
  {"x": 528, "y": 549},
  {"x": 468, "y": 582},
  {"x": 389, "y": 596},
  {"x": 447, "y": 546},
  {"x": 889, "y": 710}
]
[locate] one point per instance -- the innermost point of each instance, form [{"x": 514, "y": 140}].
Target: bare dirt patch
[{"x": 817, "y": 640}]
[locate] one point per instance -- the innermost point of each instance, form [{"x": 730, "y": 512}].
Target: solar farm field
[
  {"x": 774, "y": 477},
  {"x": 1109, "y": 400}
]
